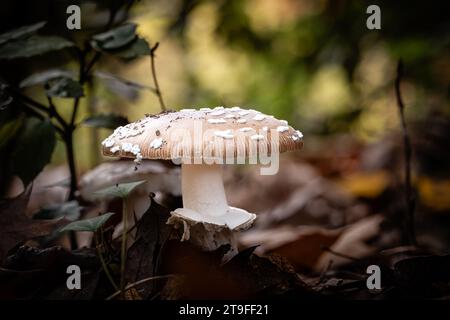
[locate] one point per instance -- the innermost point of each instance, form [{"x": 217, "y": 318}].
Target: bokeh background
[{"x": 313, "y": 63}]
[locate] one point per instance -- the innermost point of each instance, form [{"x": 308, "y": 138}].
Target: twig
[
  {"x": 119, "y": 237},
  {"x": 134, "y": 284},
  {"x": 324, "y": 272},
  {"x": 54, "y": 113},
  {"x": 38, "y": 115},
  {"x": 81, "y": 80},
  {"x": 91, "y": 64},
  {"x": 409, "y": 199},
  {"x": 342, "y": 255},
  {"x": 155, "y": 79},
  {"x": 28, "y": 100}
]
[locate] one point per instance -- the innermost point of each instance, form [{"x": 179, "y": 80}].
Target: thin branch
[
  {"x": 33, "y": 112},
  {"x": 134, "y": 284},
  {"x": 342, "y": 255},
  {"x": 28, "y": 100},
  {"x": 323, "y": 274},
  {"x": 91, "y": 64},
  {"x": 155, "y": 79},
  {"x": 409, "y": 198},
  {"x": 81, "y": 79},
  {"x": 28, "y": 109},
  {"x": 54, "y": 113}
]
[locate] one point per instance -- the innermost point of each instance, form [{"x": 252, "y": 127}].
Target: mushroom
[
  {"x": 160, "y": 179},
  {"x": 202, "y": 140}
]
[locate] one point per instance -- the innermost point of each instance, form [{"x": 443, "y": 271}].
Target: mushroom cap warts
[{"x": 189, "y": 131}]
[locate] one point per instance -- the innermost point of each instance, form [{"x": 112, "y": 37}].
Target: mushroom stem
[
  {"x": 206, "y": 219},
  {"x": 203, "y": 190}
]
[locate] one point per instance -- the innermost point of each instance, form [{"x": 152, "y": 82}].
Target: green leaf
[
  {"x": 138, "y": 48},
  {"x": 70, "y": 210},
  {"x": 34, "y": 149},
  {"x": 119, "y": 190},
  {"x": 92, "y": 224},
  {"x": 44, "y": 77},
  {"x": 123, "y": 87},
  {"x": 108, "y": 121},
  {"x": 21, "y": 32},
  {"x": 115, "y": 38},
  {"x": 111, "y": 77},
  {"x": 65, "y": 88},
  {"x": 33, "y": 46},
  {"x": 8, "y": 130}
]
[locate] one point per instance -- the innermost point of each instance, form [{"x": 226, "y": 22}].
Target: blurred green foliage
[{"x": 313, "y": 63}]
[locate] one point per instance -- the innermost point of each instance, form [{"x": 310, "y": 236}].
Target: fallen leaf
[
  {"x": 16, "y": 227},
  {"x": 352, "y": 242},
  {"x": 423, "y": 272},
  {"x": 366, "y": 184},
  {"x": 201, "y": 275},
  {"x": 434, "y": 193},
  {"x": 301, "y": 246},
  {"x": 143, "y": 256},
  {"x": 42, "y": 273}
]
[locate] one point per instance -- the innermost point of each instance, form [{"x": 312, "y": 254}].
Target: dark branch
[
  {"x": 155, "y": 79},
  {"x": 409, "y": 198},
  {"x": 29, "y": 101}
]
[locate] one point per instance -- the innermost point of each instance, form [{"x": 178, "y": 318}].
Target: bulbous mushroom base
[
  {"x": 208, "y": 232},
  {"x": 206, "y": 220}
]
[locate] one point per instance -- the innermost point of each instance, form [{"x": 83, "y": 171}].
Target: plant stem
[
  {"x": 155, "y": 79},
  {"x": 409, "y": 199},
  {"x": 71, "y": 161},
  {"x": 68, "y": 139},
  {"x": 123, "y": 254},
  {"x": 69, "y": 132},
  {"x": 54, "y": 113},
  {"x": 29, "y": 101},
  {"x": 104, "y": 265},
  {"x": 134, "y": 284}
]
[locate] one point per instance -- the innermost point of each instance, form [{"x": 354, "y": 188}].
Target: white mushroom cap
[
  {"x": 208, "y": 133},
  {"x": 155, "y": 137}
]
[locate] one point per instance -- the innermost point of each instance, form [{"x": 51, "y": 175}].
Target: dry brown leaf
[
  {"x": 302, "y": 246},
  {"x": 352, "y": 242},
  {"x": 16, "y": 227}
]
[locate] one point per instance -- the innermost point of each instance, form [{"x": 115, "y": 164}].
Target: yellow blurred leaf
[
  {"x": 366, "y": 184},
  {"x": 434, "y": 193}
]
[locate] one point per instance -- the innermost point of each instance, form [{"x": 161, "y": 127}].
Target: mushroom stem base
[
  {"x": 207, "y": 236},
  {"x": 206, "y": 219}
]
